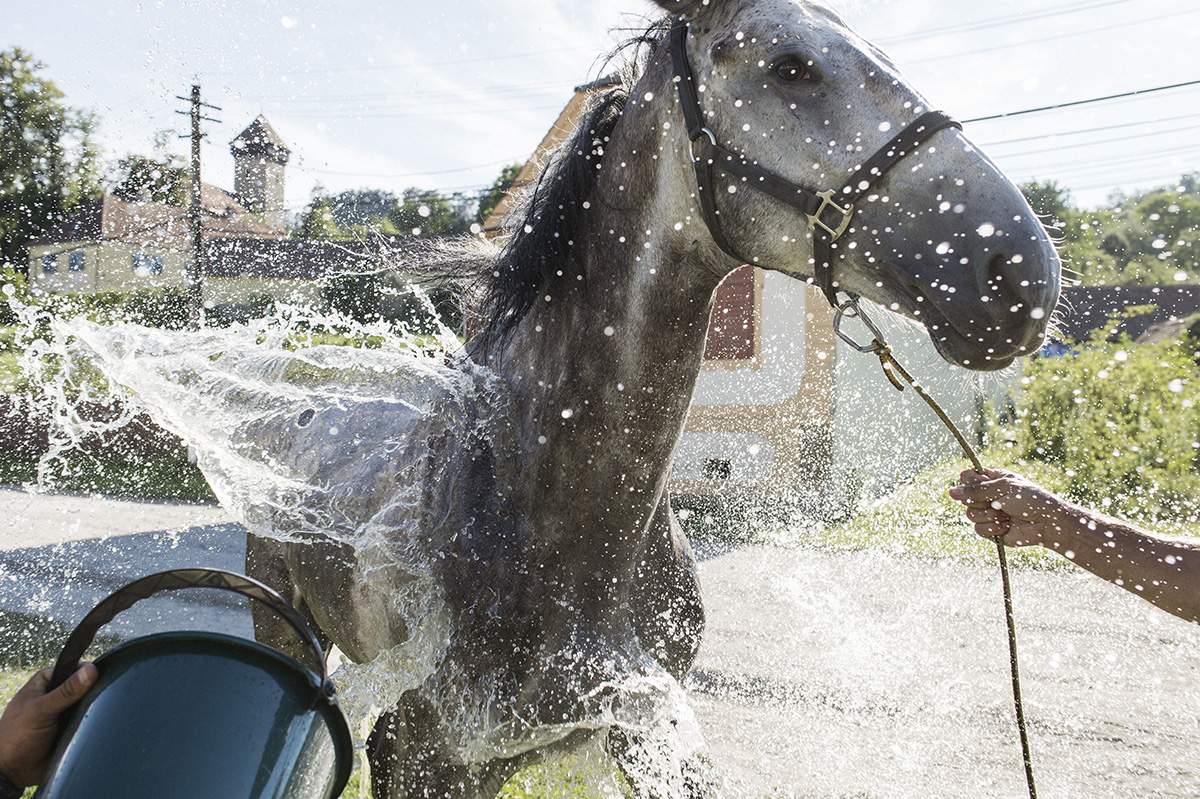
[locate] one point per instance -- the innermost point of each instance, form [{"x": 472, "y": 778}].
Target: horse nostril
[{"x": 1012, "y": 290}]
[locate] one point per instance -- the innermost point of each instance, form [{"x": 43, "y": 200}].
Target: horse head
[{"x": 795, "y": 114}]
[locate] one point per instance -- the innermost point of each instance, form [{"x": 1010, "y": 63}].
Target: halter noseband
[{"x": 829, "y": 212}]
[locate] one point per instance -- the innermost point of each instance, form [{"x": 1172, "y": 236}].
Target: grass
[
  {"x": 917, "y": 519},
  {"x": 156, "y": 478}
]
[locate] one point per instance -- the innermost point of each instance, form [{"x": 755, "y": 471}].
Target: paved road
[
  {"x": 860, "y": 675},
  {"x": 823, "y": 675},
  {"x": 61, "y": 554}
]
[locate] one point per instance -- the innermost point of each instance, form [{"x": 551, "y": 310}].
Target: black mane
[{"x": 536, "y": 260}]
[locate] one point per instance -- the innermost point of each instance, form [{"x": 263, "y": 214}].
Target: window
[
  {"x": 731, "y": 329},
  {"x": 75, "y": 261},
  {"x": 50, "y": 264},
  {"x": 146, "y": 265}
]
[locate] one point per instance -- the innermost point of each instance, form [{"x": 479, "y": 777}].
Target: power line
[
  {"x": 995, "y": 22},
  {"x": 406, "y": 96},
  {"x": 1061, "y": 169},
  {"x": 1079, "y": 145},
  {"x": 1067, "y": 35},
  {"x": 411, "y": 174},
  {"x": 427, "y": 114},
  {"x": 1044, "y": 136},
  {"x": 1074, "y": 103}
]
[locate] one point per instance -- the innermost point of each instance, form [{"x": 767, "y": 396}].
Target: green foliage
[
  {"x": 1146, "y": 240},
  {"x": 166, "y": 180},
  {"x": 318, "y": 223},
  {"x": 1078, "y": 234},
  {"x": 165, "y": 307},
  {"x": 413, "y": 312},
  {"x": 492, "y": 196},
  {"x": 15, "y": 285},
  {"x": 362, "y": 208},
  {"x": 354, "y": 296},
  {"x": 49, "y": 159},
  {"x": 427, "y": 213},
  {"x": 138, "y": 478},
  {"x": 1121, "y": 420}
]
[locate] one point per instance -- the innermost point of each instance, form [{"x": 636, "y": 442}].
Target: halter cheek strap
[{"x": 829, "y": 212}]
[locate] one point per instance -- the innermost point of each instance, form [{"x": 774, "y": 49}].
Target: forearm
[{"x": 1163, "y": 571}]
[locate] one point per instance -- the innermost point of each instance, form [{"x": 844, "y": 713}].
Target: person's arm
[
  {"x": 1162, "y": 570},
  {"x": 30, "y": 726}
]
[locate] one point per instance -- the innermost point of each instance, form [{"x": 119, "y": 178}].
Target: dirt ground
[
  {"x": 863, "y": 675},
  {"x": 823, "y": 674}
]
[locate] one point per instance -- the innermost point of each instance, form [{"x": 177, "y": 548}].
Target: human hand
[
  {"x": 1007, "y": 507},
  {"x": 30, "y": 726}
]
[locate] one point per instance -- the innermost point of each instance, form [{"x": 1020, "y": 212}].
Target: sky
[{"x": 441, "y": 94}]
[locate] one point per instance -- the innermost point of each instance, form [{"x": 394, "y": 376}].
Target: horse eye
[{"x": 793, "y": 69}]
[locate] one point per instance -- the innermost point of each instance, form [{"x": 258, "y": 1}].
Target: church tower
[{"x": 259, "y": 156}]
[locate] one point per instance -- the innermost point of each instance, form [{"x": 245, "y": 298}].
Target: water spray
[{"x": 899, "y": 376}]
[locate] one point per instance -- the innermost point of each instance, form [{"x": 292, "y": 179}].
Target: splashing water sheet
[{"x": 301, "y": 441}]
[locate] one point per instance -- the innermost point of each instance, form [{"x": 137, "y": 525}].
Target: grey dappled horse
[{"x": 568, "y": 589}]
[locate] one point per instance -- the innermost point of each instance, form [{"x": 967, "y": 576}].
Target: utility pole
[{"x": 195, "y": 210}]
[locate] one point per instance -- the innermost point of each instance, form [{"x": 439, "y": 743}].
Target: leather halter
[{"x": 829, "y": 212}]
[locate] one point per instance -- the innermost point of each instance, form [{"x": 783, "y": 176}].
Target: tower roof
[{"x": 260, "y": 139}]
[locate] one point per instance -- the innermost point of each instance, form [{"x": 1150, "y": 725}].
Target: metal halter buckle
[
  {"x": 827, "y": 202},
  {"x": 849, "y": 309},
  {"x": 692, "y": 142}
]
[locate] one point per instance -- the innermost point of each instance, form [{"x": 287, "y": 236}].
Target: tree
[
  {"x": 427, "y": 213},
  {"x": 318, "y": 223},
  {"x": 361, "y": 207},
  {"x": 161, "y": 180},
  {"x": 492, "y": 196},
  {"x": 1080, "y": 235},
  {"x": 49, "y": 158},
  {"x": 1049, "y": 200}
]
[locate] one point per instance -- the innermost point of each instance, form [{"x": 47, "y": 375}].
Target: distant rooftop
[
  {"x": 155, "y": 224},
  {"x": 259, "y": 138}
]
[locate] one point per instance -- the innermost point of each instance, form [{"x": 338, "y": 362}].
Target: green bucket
[{"x": 199, "y": 715}]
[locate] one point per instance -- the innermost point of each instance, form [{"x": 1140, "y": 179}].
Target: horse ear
[{"x": 688, "y": 9}]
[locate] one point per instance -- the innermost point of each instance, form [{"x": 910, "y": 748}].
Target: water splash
[{"x": 302, "y": 441}]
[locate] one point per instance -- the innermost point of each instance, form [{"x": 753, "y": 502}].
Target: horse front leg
[
  {"x": 410, "y": 759},
  {"x": 669, "y": 619},
  {"x": 666, "y": 605},
  {"x": 654, "y": 771},
  {"x": 267, "y": 562}
]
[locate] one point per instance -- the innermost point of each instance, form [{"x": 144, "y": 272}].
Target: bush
[{"x": 1123, "y": 422}]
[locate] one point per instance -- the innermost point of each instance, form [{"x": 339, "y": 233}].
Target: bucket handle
[{"x": 174, "y": 580}]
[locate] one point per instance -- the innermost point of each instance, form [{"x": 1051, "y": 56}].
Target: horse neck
[{"x": 604, "y": 373}]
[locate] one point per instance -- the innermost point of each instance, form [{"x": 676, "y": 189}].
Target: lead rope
[{"x": 895, "y": 372}]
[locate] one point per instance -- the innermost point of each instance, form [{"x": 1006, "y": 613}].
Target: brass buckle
[{"x": 827, "y": 202}]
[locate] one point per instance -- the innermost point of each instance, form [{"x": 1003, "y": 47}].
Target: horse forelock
[{"x": 537, "y": 258}]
